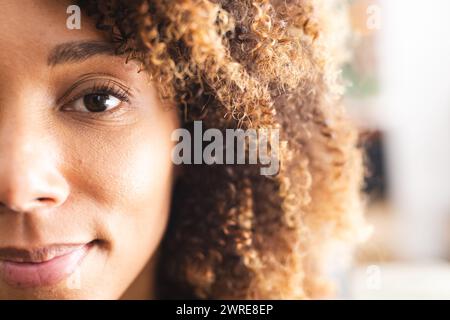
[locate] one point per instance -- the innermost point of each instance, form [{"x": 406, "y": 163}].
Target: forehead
[{"x": 29, "y": 29}]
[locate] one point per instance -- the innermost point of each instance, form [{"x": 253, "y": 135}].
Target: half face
[{"x": 85, "y": 166}]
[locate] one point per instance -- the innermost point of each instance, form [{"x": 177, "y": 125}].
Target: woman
[{"x": 92, "y": 204}]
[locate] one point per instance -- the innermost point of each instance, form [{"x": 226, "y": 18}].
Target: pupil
[{"x": 96, "y": 102}]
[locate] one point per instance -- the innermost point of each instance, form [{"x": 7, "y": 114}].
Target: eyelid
[
  {"x": 98, "y": 81},
  {"x": 101, "y": 89}
]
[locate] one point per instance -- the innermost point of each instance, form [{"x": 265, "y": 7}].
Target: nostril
[{"x": 43, "y": 199}]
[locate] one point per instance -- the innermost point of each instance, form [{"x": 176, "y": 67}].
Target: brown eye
[{"x": 96, "y": 102}]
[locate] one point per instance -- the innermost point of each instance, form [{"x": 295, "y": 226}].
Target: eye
[
  {"x": 96, "y": 97},
  {"x": 96, "y": 102}
]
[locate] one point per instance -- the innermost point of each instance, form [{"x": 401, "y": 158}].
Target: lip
[{"x": 39, "y": 267}]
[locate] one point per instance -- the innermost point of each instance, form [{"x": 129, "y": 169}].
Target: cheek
[
  {"x": 127, "y": 175},
  {"x": 137, "y": 183}
]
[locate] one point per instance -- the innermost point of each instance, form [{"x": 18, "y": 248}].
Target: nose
[{"x": 29, "y": 178}]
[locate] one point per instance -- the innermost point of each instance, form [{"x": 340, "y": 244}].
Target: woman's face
[{"x": 85, "y": 169}]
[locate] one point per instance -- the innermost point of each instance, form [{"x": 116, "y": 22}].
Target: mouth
[{"x": 45, "y": 266}]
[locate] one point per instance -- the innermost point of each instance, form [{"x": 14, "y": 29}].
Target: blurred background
[{"x": 399, "y": 95}]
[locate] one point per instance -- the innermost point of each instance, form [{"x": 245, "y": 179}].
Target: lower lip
[{"x": 51, "y": 272}]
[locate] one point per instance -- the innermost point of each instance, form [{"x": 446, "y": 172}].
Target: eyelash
[
  {"x": 106, "y": 88},
  {"x": 110, "y": 89}
]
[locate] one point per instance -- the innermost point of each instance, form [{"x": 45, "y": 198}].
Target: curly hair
[{"x": 263, "y": 64}]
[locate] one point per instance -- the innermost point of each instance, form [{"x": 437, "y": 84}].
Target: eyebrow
[{"x": 78, "y": 51}]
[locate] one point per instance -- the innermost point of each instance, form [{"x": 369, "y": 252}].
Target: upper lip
[{"x": 37, "y": 255}]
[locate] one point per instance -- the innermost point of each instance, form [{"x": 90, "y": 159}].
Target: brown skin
[{"x": 68, "y": 176}]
